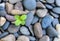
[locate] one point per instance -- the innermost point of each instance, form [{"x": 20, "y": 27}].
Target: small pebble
[
  {"x": 45, "y": 38},
  {"x": 13, "y": 29},
  {"x": 2, "y": 21},
  {"x": 23, "y": 38},
  {"x": 29, "y": 4},
  {"x": 46, "y": 21},
  {"x": 58, "y": 2},
  {"x": 24, "y": 30},
  {"x": 56, "y": 39},
  {"x": 38, "y": 30},
  {"x": 41, "y": 12},
  {"x": 9, "y": 38}
]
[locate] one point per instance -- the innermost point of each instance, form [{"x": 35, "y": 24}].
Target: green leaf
[
  {"x": 17, "y": 22},
  {"x": 17, "y": 17},
  {"x": 23, "y": 23},
  {"x": 23, "y": 17}
]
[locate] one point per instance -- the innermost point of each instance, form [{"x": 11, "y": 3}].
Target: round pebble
[{"x": 29, "y": 4}]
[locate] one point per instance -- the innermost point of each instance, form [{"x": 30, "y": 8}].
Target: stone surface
[
  {"x": 58, "y": 2},
  {"x": 41, "y": 12},
  {"x": 9, "y": 7},
  {"x": 23, "y": 38},
  {"x": 2, "y": 21},
  {"x": 38, "y": 30},
  {"x": 45, "y": 38},
  {"x": 13, "y": 29},
  {"x": 0, "y": 0},
  {"x": 24, "y": 30},
  {"x": 29, "y": 4},
  {"x": 56, "y": 39},
  {"x": 9, "y": 38},
  {"x": 50, "y": 1}
]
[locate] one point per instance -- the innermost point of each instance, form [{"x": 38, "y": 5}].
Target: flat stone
[
  {"x": 13, "y": 29},
  {"x": 9, "y": 38},
  {"x": 23, "y": 38},
  {"x": 2, "y": 21},
  {"x": 19, "y": 6},
  {"x": 50, "y": 1},
  {"x": 45, "y": 38},
  {"x": 29, "y": 4},
  {"x": 9, "y": 7},
  {"x": 56, "y": 10},
  {"x": 40, "y": 5},
  {"x": 58, "y": 2},
  {"x": 38, "y": 30},
  {"x": 24, "y": 30},
  {"x": 41, "y": 12}
]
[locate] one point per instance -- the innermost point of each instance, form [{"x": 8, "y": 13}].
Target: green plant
[{"x": 20, "y": 20}]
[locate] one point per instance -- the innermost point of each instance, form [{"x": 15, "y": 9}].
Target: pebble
[
  {"x": 29, "y": 4},
  {"x": 23, "y": 38},
  {"x": 58, "y": 28},
  {"x": 2, "y": 21},
  {"x": 44, "y": 32},
  {"x": 3, "y": 34},
  {"x": 19, "y": 6},
  {"x": 46, "y": 21},
  {"x": 3, "y": 5},
  {"x": 50, "y": 1},
  {"x": 58, "y": 2},
  {"x": 48, "y": 6},
  {"x": 9, "y": 7},
  {"x": 55, "y": 22},
  {"x": 41, "y": 12},
  {"x": 38, "y": 30},
  {"x": 45, "y": 38},
  {"x": 6, "y": 25},
  {"x": 35, "y": 19},
  {"x": 40, "y": 5},
  {"x": 29, "y": 19},
  {"x": 24, "y": 30},
  {"x": 10, "y": 18},
  {"x": 0, "y": 0},
  {"x": 13, "y": 29},
  {"x": 9, "y": 38},
  {"x": 52, "y": 32},
  {"x": 56, "y": 39},
  {"x": 0, "y": 32},
  {"x": 14, "y": 1},
  {"x": 56, "y": 10}
]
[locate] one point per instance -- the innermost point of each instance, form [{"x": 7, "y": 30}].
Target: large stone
[
  {"x": 38, "y": 30},
  {"x": 9, "y": 38},
  {"x": 23, "y": 38}
]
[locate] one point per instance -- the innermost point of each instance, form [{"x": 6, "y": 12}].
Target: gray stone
[
  {"x": 0, "y": 0},
  {"x": 58, "y": 2},
  {"x": 50, "y": 1}
]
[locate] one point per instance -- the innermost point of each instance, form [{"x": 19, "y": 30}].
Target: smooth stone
[
  {"x": 40, "y": 5},
  {"x": 3, "y": 5},
  {"x": 14, "y": 1},
  {"x": 22, "y": 38},
  {"x": 10, "y": 18},
  {"x": 29, "y": 19},
  {"x": 58, "y": 2},
  {"x": 41, "y": 12},
  {"x": 5, "y": 0},
  {"x": 9, "y": 7},
  {"x": 45, "y": 38},
  {"x": 1, "y": 8},
  {"x": 38, "y": 30},
  {"x": 19, "y": 6},
  {"x": 31, "y": 30},
  {"x": 35, "y": 19},
  {"x": 9, "y": 38},
  {"x": 56, "y": 10},
  {"x": 54, "y": 14},
  {"x": 44, "y": 32},
  {"x": 48, "y": 6},
  {"x": 56, "y": 39},
  {"x": 3, "y": 13},
  {"x": 50, "y": 1},
  {"x": 13, "y": 29},
  {"x": 51, "y": 32},
  {"x": 3, "y": 34},
  {"x": 58, "y": 28},
  {"x": 19, "y": 12},
  {"x": 46, "y": 21},
  {"x": 0, "y": 0},
  {"x": 24, "y": 30},
  {"x": 31, "y": 38},
  {"x": 6, "y": 25},
  {"x": 29, "y": 4},
  {"x": 16, "y": 34},
  {"x": 44, "y": 1},
  {"x": 55, "y": 22},
  {"x": 2, "y": 21}
]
